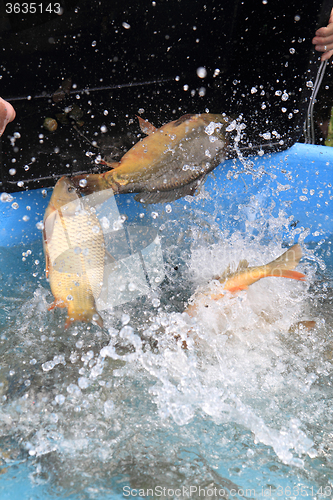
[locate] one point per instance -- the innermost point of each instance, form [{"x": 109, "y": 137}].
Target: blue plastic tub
[{"x": 244, "y": 411}]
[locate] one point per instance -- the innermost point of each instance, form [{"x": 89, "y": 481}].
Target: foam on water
[
  {"x": 237, "y": 397},
  {"x": 133, "y": 406}
]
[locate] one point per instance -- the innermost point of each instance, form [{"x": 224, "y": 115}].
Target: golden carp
[
  {"x": 169, "y": 163},
  {"x": 74, "y": 253},
  {"x": 244, "y": 276}
]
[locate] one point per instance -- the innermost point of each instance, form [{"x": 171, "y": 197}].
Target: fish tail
[
  {"x": 87, "y": 316},
  {"x": 284, "y": 265}
]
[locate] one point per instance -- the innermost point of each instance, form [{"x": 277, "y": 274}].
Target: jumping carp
[
  {"x": 74, "y": 253},
  {"x": 169, "y": 163},
  {"x": 244, "y": 276}
]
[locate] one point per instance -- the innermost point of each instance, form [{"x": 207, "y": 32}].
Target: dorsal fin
[
  {"x": 146, "y": 127},
  {"x": 183, "y": 119},
  {"x": 243, "y": 264}
]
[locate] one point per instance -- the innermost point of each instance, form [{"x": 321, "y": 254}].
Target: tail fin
[
  {"x": 88, "y": 315},
  {"x": 284, "y": 265}
]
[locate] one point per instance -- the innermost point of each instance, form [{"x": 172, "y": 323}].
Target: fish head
[
  {"x": 65, "y": 198},
  {"x": 91, "y": 184}
]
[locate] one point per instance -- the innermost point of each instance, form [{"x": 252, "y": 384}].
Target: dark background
[{"x": 127, "y": 58}]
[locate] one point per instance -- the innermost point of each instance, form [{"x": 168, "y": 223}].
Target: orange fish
[
  {"x": 244, "y": 276},
  {"x": 169, "y": 163},
  {"x": 74, "y": 253}
]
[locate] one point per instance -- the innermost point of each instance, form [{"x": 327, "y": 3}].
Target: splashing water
[{"x": 235, "y": 401}]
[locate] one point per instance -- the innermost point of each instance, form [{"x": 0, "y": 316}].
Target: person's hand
[
  {"x": 7, "y": 114},
  {"x": 323, "y": 39}
]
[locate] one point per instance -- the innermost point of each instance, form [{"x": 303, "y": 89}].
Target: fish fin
[
  {"x": 47, "y": 264},
  {"x": 183, "y": 119},
  {"x": 288, "y": 260},
  {"x": 243, "y": 264},
  {"x": 238, "y": 288},
  {"x": 168, "y": 196},
  {"x": 287, "y": 273},
  {"x": 57, "y": 303},
  {"x": 108, "y": 258},
  {"x": 89, "y": 315},
  {"x": 110, "y": 164},
  {"x": 284, "y": 265},
  {"x": 49, "y": 221},
  {"x": 145, "y": 126}
]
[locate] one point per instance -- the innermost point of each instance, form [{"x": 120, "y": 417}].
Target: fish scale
[
  {"x": 168, "y": 164},
  {"x": 75, "y": 251}
]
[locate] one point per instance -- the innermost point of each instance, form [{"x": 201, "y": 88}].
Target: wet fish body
[
  {"x": 169, "y": 163},
  {"x": 244, "y": 276},
  {"x": 74, "y": 252}
]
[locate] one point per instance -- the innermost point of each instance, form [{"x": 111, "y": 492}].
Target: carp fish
[
  {"x": 169, "y": 163},
  {"x": 74, "y": 252},
  {"x": 244, "y": 276}
]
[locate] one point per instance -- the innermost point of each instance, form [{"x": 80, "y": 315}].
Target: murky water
[{"x": 236, "y": 402}]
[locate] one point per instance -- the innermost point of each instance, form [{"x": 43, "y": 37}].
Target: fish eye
[{"x": 70, "y": 189}]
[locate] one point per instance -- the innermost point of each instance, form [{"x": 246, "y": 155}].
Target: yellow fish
[
  {"x": 169, "y": 163},
  {"x": 244, "y": 276},
  {"x": 74, "y": 253}
]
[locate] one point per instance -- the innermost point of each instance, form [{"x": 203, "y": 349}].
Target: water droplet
[
  {"x": 292, "y": 50},
  {"x": 25, "y": 218},
  {"x": 94, "y": 43},
  {"x": 125, "y": 319},
  {"x": 103, "y": 129},
  {"x": 156, "y": 302},
  {"x": 201, "y": 72},
  {"x": 168, "y": 209},
  {"x": 83, "y": 182},
  {"x": 6, "y": 197},
  {"x": 40, "y": 225},
  {"x": 15, "y": 205},
  {"x": 126, "y": 25},
  {"x": 83, "y": 382},
  {"x": 12, "y": 171},
  {"x": 297, "y": 17},
  {"x": 69, "y": 297}
]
